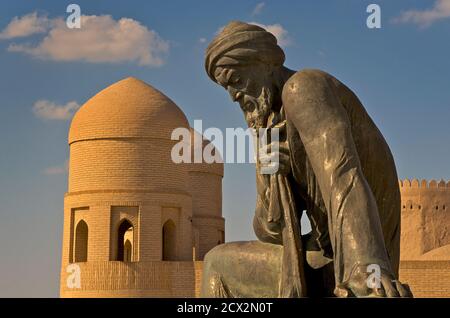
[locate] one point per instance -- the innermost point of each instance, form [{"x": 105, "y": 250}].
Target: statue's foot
[{"x": 365, "y": 284}]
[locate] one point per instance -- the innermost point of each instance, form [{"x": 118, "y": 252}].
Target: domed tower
[{"x": 128, "y": 212}]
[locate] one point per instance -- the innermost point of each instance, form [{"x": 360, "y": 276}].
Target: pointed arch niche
[{"x": 124, "y": 239}]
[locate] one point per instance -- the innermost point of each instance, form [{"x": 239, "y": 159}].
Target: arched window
[
  {"x": 125, "y": 241},
  {"x": 81, "y": 242},
  {"x": 169, "y": 241}
]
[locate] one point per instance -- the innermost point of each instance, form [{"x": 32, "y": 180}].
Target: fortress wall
[
  {"x": 135, "y": 279},
  {"x": 426, "y": 278},
  {"x": 425, "y": 216}
]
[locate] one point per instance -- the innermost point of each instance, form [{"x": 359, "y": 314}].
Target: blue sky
[{"x": 401, "y": 73}]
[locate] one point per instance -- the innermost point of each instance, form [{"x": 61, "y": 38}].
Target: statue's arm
[{"x": 312, "y": 105}]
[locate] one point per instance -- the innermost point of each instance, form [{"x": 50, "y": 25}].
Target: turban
[{"x": 240, "y": 44}]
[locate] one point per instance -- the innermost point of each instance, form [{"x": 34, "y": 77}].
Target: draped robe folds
[{"x": 343, "y": 175}]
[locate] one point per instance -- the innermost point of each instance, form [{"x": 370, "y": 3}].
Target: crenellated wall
[{"x": 425, "y": 217}]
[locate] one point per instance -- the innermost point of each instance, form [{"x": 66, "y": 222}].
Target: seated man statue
[{"x": 333, "y": 163}]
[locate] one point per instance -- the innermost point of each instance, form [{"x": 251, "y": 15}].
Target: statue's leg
[
  {"x": 389, "y": 208},
  {"x": 242, "y": 269}
]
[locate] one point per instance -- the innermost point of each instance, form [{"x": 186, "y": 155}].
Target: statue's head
[{"x": 243, "y": 58}]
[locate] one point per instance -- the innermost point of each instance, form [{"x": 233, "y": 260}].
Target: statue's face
[{"x": 251, "y": 88}]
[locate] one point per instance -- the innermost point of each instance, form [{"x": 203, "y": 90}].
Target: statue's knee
[
  {"x": 212, "y": 255},
  {"x": 213, "y": 259},
  {"x": 212, "y": 285}
]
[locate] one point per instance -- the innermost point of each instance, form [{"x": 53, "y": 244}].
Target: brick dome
[
  {"x": 128, "y": 108},
  {"x": 120, "y": 139}
]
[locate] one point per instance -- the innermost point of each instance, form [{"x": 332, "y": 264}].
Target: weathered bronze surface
[{"x": 334, "y": 164}]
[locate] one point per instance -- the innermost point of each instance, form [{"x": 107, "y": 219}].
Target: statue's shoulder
[
  {"x": 306, "y": 81},
  {"x": 305, "y": 77}
]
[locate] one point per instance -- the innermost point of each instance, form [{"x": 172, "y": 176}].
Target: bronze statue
[{"x": 334, "y": 164}]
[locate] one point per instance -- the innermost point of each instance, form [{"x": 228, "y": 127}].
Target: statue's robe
[{"x": 343, "y": 175}]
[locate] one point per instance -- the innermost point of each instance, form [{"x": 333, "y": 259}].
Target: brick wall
[
  {"x": 426, "y": 278},
  {"x": 135, "y": 279}
]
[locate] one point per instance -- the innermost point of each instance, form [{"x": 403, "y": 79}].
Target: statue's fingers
[
  {"x": 342, "y": 292},
  {"x": 281, "y": 146},
  {"x": 402, "y": 289},
  {"x": 379, "y": 292},
  {"x": 263, "y": 151},
  {"x": 284, "y": 157},
  {"x": 264, "y": 159},
  {"x": 274, "y": 157},
  {"x": 390, "y": 288},
  {"x": 266, "y": 148},
  {"x": 269, "y": 146},
  {"x": 268, "y": 158},
  {"x": 284, "y": 148}
]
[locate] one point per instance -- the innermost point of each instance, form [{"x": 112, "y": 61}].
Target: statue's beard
[{"x": 263, "y": 104}]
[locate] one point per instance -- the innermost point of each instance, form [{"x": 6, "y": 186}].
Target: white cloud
[
  {"x": 258, "y": 9},
  {"x": 202, "y": 40},
  {"x": 101, "y": 39},
  {"x": 424, "y": 18},
  {"x": 49, "y": 110},
  {"x": 59, "y": 169},
  {"x": 26, "y": 25},
  {"x": 278, "y": 31}
]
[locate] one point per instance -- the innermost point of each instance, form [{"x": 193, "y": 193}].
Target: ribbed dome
[{"x": 128, "y": 108}]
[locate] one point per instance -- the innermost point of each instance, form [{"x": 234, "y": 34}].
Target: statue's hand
[
  {"x": 362, "y": 284},
  {"x": 275, "y": 154}
]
